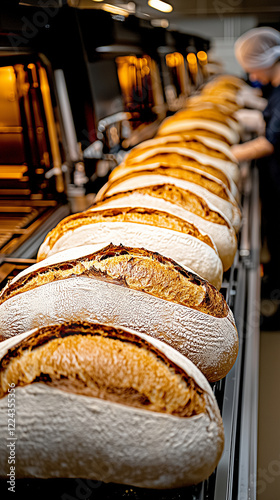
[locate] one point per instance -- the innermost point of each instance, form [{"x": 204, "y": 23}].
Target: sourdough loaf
[
  {"x": 107, "y": 404},
  {"x": 182, "y": 157},
  {"x": 190, "y": 207},
  {"x": 212, "y": 113},
  {"x": 230, "y": 82},
  {"x": 201, "y": 184},
  {"x": 151, "y": 228},
  {"x": 207, "y": 146},
  {"x": 129, "y": 287},
  {"x": 222, "y": 131}
]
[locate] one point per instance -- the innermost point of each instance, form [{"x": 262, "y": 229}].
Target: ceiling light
[
  {"x": 159, "y": 5},
  {"x": 97, "y": 0}
]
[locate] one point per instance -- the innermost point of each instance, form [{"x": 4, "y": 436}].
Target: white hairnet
[{"x": 259, "y": 48}]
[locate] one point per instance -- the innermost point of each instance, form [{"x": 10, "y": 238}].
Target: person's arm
[
  {"x": 252, "y": 150},
  {"x": 249, "y": 99},
  {"x": 251, "y": 120}
]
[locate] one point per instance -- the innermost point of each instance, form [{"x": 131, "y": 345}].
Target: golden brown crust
[
  {"x": 187, "y": 140},
  {"x": 198, "y": 146},
  {"x": 135, "y": 268},
  {"x": 214, "y": 99},
  {"x": 214, "y": 135},
  {"x": 229, "y": 82},
  {"x": 174, "y": 194},
  {"x": 228, "y": 95},
  {"x": 137, "y": 215},
  {"x": 103, "y": 362},
  {"x": 174, "y": 160},
  {"x": 198, "y": 131},
  {"x": 182, "y": 173},
  {"x": 196, "y": 102},
  {"x": 213, "y": 114},
  {"x": 193, "y": 142}
]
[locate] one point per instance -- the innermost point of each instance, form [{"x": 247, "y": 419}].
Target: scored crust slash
[
  {"x": 105, "y": 395},
  {"x": 110, "y": 285}
]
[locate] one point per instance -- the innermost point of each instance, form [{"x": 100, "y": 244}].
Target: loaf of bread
[
  {"x": 212, "y": 113},
  {"x": 176, "y": 124},
  {"x": 229, "y": 106},
  {"x": 131, "y": 288},
  {"x": 107, "y": 404},
  {"x": 182, "y": 157},
  {"x": 139, "y": 226},
  {"x": 190, "y": 207},
  {"x": 196, "y": 102},
  {"x": 194, "y": 171},
  {"x": 229, "y": 82},
  {"x": 191, "y": 140},
  {"x": 206, "y": 147},
  {"x": 205, "y": 186},
  {"x": 227, "y": 95}
]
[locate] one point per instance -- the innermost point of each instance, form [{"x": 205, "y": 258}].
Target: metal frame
[
  {"x": 249, "y": 403},
  {"x": 29, "y": 247}
]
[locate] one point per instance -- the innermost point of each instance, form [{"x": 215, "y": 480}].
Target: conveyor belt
[
  {"x": 24, "y": 225},
  {"x": 237, "y": 393}
]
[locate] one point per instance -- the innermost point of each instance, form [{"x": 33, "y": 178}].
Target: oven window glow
[
  {"x": 174, "y": 59},
  {"x": 159, "y": 5},
  {"x": 192, "y": 62},
  {"x": 191, "y": 58}
]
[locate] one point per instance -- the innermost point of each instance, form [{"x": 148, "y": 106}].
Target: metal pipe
[{"x": 68, "y": 122}]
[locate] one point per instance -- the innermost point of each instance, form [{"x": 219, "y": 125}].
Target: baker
[{"x": 258, "y": 52}]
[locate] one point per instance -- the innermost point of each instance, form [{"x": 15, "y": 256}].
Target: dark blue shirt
[{"x": 272, "y": 118}]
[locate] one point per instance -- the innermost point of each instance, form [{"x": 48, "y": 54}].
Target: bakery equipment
[
  {"x": 31, "y": 153},
  {"x": 180, "y": 76},
  {"x": 128, "y": 97},
  {"x": 41, "y": 165},
  {"x": 175, "y": 77}
]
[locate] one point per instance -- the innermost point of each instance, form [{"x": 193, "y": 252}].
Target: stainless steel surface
[
  {"x": 110, "y": 120},
  {"x": 67, "y": 117},
  {"x": 249, "y": 405},
  {"x": 236, "y": 472},
  {"x": 116, "y": 49},
  {"x": 20, "y": 219},
  {"x": 225, "y": 469},
  {"x": 30, "y": 247},
  {"x": 245, "y": 245}
]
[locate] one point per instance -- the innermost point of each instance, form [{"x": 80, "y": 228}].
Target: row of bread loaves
[{"x": 111, "y": 340}]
